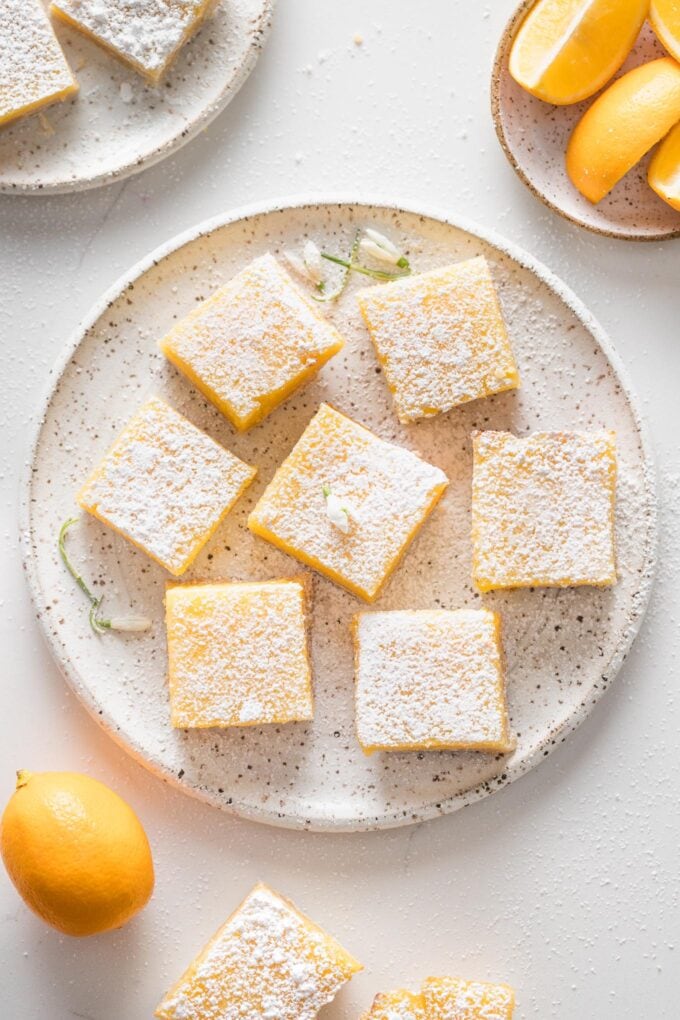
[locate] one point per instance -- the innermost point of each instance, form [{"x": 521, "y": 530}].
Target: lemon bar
[
  {"x": 267, "y": 962},
  {"x": 440, "y": 337},
  {"x": 146, "y": 34},
  {"x": 543, "y": 509},
  {"x": 382, "y": 494},
  {"x": 430, "y": 679},
  {"x": 33, "y": 69},
  {"x": 165, "y": 486},
  {"x": 237, "y": 653},
  {"x": 398, "y": 1005},
  {"x": 252, "y": 343},
  {"x": 450, "y": 998}
]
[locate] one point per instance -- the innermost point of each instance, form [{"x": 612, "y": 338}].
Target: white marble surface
[{"x": 564, "y": 884}]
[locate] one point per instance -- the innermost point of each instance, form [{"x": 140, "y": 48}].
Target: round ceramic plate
[
  {"x": 534, "y": 137},
  {"x": 563, "y": 647},
  {"x": 119, "y": 123}
]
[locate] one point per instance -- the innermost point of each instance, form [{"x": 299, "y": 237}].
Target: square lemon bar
[
  {"x": 430, "y": 680},
  {"x": 237, "y": 653},
  {"x": 347, "y": 503},
  {"x": 398, "y": 1005},
  {"x": 543, "y": 509},
  {"x": 267, "y": 961},
  {"x": 440, "y": 338},
  {"x": 165, "y": 486},
  {"x": 454, "y": 999},
  {"x": 33, "y": 69},
  {"x": 252, "y": 343},
  {"x": 146, "y": 34}
]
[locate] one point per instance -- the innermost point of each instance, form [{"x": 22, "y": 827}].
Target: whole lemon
[{"x": 76, "y": 852}]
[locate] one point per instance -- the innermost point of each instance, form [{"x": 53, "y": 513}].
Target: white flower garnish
[
  {"x": 381, "y": 248},
  {"x": 297, "y": 265},
  {"x": 338, "y": 510},
  {"x": 313, "y": 261},
  {"x": 130, "y": 624}
]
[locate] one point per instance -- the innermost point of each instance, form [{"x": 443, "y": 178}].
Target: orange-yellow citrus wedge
[
  {"x": 664, "y": 170},
  {"x": 565, "y": 50},
  {"x": 622, "y": 125},
  {"x": 665, "y": 18}
]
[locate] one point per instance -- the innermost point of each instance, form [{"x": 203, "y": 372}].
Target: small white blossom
[
  {"x": 380, "y": 247},
  {"x": 297, "y": 265},
  {"x": 130, "y": 624},
  {"x": 313, "y": 261},
  {"x": 338, "y": 510}
]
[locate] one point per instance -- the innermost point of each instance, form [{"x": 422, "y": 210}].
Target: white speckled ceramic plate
[
  {"x": 563, "y": 647},
  {"x": 534, "y": 137},
  {"x": 118, "y": 123}
]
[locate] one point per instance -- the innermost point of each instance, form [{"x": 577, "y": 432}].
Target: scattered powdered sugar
[
  {"x": 441, "y": 338},
  {"x": 238, "y": 654},
  {"x": 267, "y": 962},
  {"x": 430, "y": 678},
  {"x": 165, "y": 485},
  {"x": 543, "y": 509},
  {"x": 391, "y": 492},
  {"x": 399, "y": 1005},
  {"x": 33, "y": 69},
  {"x": 455, "y": 999},
  {"x": 147, "y": 33},
  {"x": 253, "y": 341}
]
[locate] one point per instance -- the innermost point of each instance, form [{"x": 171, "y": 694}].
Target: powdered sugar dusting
[
  {"x": 390, "y": 490},
  {"x": 399, "y": 1005},
  {"x": 165, "y": 485},
  {"x": 254, "y": 341},
  {"x": 145, "y": 33},
  {"x": 238, "y": 654},
  {"x": 543, "y": 509},
  {"x": 268, "y": 962},
  {"x": 441, "y": 338},
  {"x": 33, "y": 69},
  {"x": 455, "y": 999},
  {"x": 428, "y": 679}
]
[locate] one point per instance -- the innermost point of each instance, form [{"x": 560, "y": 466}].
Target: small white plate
[
  {"x": 563, "y": 647},
  {"x": 534, "y": 137},
  {"x": 118, "y": 123}
]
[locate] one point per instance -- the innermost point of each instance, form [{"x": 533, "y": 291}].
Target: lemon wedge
[
  {"x": 622, "y": 125},
  {"x": 664, "y": 170},
  {"x": 664, "y": 16},
  {"x": 565, "y": 50}
]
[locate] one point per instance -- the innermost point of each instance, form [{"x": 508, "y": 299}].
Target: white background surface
[{"x": 566, "y": 883}]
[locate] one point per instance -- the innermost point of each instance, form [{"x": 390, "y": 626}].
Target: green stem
[
  {"x": 351, "y": 266},
  {"x": 98, "y": 625}
]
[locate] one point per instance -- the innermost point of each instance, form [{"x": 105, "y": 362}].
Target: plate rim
[
  {"x": 395, "y": 818},
  {"x": 259, "y": 35},
  {"x": 498, "y": 68}
]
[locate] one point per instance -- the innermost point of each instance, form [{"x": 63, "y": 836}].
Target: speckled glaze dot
[
  {"x": 119, "y": 123},
  {"x": 563, "y": 646},
  {"x": 534, "y": 137}
]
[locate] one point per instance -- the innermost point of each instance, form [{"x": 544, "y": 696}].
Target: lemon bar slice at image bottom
[
  {"x": 33, "y": 69},
  {"x": 440, "y": 337},
  {"x": 165, "y": 486},
  {"x": 397, "y": 1005},
  {"x": 430, "y": 680},
  {"x": 237, "y": 653},
  {"x": 146, "y": 34},
  {"x": 543, "y": 509},
  {"x": 252, "y": 343},
  {"x": 448, "y": 998},
  {"x": 268, "y": 960},
  {"x": 382, "y": 496}
]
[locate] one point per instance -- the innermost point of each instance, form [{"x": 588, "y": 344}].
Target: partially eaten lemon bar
[
  {"x": 430, "y": 679},
  {"x": 347, "y": 503},
  {"x": 543, "y": 509},
  {"x": 267, "y": 961},
  {"x": 397, "y": 1005},
  {"x": 237, "y": 653},
  {"x": 440, "y": 337},
  {"x": 146, "y": 34},
  {"x": 33, "y": 69},
  {"x": 450, "y": 998},
  {"x": 165, "y": 486},
  {"x": 252, "y": 343}
]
